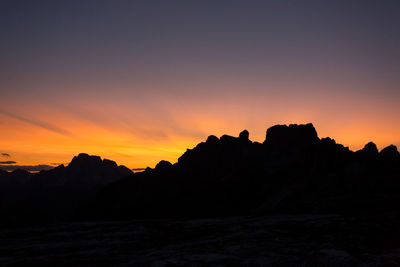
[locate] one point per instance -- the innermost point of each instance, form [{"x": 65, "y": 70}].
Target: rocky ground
[{"x": 281, "y": 240}]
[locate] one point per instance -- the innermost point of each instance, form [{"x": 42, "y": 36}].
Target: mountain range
[
  {"x": 55, "y": 194},
  {"x": 292, "y": 171}
]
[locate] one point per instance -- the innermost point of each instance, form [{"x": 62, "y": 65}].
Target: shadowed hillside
[
  {"x": 55, "y": 194},
  {"x": 331, "y": 206},
  {"x": 293, "y": 171}
]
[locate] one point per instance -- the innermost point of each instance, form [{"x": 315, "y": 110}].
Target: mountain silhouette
[
  {"x": 57, "y": 193},
  {"x": 292, "y": 171},
  {"x": 83, "y": 170}
]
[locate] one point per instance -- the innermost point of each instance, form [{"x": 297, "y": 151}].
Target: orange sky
[
  {"x": 141, "y": 133},
  {"x": 141, "y": 81}
]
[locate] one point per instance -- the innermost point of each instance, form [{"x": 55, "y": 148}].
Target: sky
[{"x": 142, "y": 81}]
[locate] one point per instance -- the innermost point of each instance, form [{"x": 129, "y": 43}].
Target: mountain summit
[
  {"x": 57, "y": 193},
  {"x": 293, "y": 170},
  {"x": 83, "y": 170},
  {"x": 292, "y": 135}
]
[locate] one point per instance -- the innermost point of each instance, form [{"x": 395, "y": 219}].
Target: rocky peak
[
  {"x": 84, "y": 169},
  {"x": 227, "y": 139},
  {"x": 212, "y": 139},
  {"x": 84, "y": 159},
  {"x": 244, "y": 135},
  {"x": 369, "y": 150},
  {"x": 292, "y": 135},
  {"x": 390, "y": 153},
  {"x": 163, "y": 165},
  {"x": 109, "y": 163}
]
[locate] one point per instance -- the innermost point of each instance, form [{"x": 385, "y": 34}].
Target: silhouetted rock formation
[
  {"x": 291, "y": 136},
  {"x": 370, "y": 150},
  {"x": 292, "y": 171},
  {"x": 57, "y": 193},
  {"x": 390, "y": 153},
  {"x": 83, "y": 170},
  {"x": 244, "y": 135}
]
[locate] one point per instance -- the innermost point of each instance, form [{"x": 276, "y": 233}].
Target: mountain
[
  {"x": 82, "y": 171},
  {"x": 293, "y": 171},
  {"x": 16, "y": 177},
  {"x": 57, "y": 193}
]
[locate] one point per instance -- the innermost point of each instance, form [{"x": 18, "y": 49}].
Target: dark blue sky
[{"x": 114, "y": 40}]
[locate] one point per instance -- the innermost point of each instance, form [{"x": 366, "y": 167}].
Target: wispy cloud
[
  {"x": 7, "y": 162},
  {"x": 29, "y": 168},
  {"x": 5, "y": 155},
  {"x": 57, "y": 164},
  {"x": 138, "y": 169},
  {"x": 156, "y": 121},
  {"x": 38, "y": 123},
  {"x": 107, "y": 121}
]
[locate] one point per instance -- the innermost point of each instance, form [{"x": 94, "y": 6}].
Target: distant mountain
[
  {"x": 83, "y": 170},
  {"x": 293, "y": 170},
  {"x": 16, "y": 177},
  {"x": 57, "y": 193}
]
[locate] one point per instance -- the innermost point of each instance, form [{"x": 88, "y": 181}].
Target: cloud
[
  {"x": 58, "y": 164},
  {"x": 107, "y": 121},
  {"x": 29, "y": 168},
  {"x": 38, "y": 123},
  {"x": 138, "y": 169},
  {"x": 7, "y": 162},
  {"x": 5, "y": 155},
  {"x": 157, "y": 122}
]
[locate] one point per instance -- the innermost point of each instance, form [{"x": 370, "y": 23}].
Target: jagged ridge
[
  {"x": 293, "y": 170},
  {"x": 55, "y": 194}
]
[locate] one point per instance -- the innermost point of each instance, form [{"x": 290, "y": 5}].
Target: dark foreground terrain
[
  {"x": 120, "y": 215},
  {"x": 293, "y": 171},
  {"x": 280, "y": 240}
]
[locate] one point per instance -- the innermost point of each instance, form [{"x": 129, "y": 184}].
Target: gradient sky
[{"x": 141, "y": 81}]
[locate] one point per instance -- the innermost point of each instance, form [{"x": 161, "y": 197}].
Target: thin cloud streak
[
  {"x": 5, "y": 155},
  {"x": 158, "y": 123},
  {"x": 29, "y": 168},
  {"x": 7, "y": 162},
  {"x": 58, "y": 164},
  {"x": 41, "y": 124},
  {"x": 138, "y": 169}
]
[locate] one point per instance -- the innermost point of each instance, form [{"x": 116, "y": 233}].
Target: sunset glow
[{"x": 73, "y": 82}]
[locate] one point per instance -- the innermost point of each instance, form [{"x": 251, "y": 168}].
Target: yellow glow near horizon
[
  {"x": 29, "y": 142},
  {"x": 138, "y": 83}
]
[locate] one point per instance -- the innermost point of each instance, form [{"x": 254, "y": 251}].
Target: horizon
[
  {"x": 141, "y": 82},
  {"x": 11, "y": 166}
]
